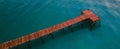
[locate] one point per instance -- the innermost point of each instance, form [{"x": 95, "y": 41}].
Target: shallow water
[{"x": 22, "y": 17}]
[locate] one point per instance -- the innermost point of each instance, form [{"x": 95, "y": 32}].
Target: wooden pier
[{"x": 86, "y": 14}]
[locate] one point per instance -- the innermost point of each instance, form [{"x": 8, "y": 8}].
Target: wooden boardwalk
[{"x": 87, "y": 14}]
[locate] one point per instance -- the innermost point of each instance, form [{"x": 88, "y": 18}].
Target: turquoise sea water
[{"x": 22, "y": 17}]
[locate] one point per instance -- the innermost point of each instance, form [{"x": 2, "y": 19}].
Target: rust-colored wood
[{"x": 87, "y": 14}]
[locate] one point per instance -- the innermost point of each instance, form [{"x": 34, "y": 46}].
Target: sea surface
[{"x": 22, "y": 17}]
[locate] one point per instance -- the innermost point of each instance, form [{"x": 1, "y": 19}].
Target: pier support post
[
  {"x": 63, "y": 30},
  {"x": 42, "y": 40},
  {"x": 71, "y": 28},
  {"x": 52, "y": 36},
  {"x": 14, "y": 47},
  {"x": 28, "y": 44},
  {"x": 93, "y": 24}
]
